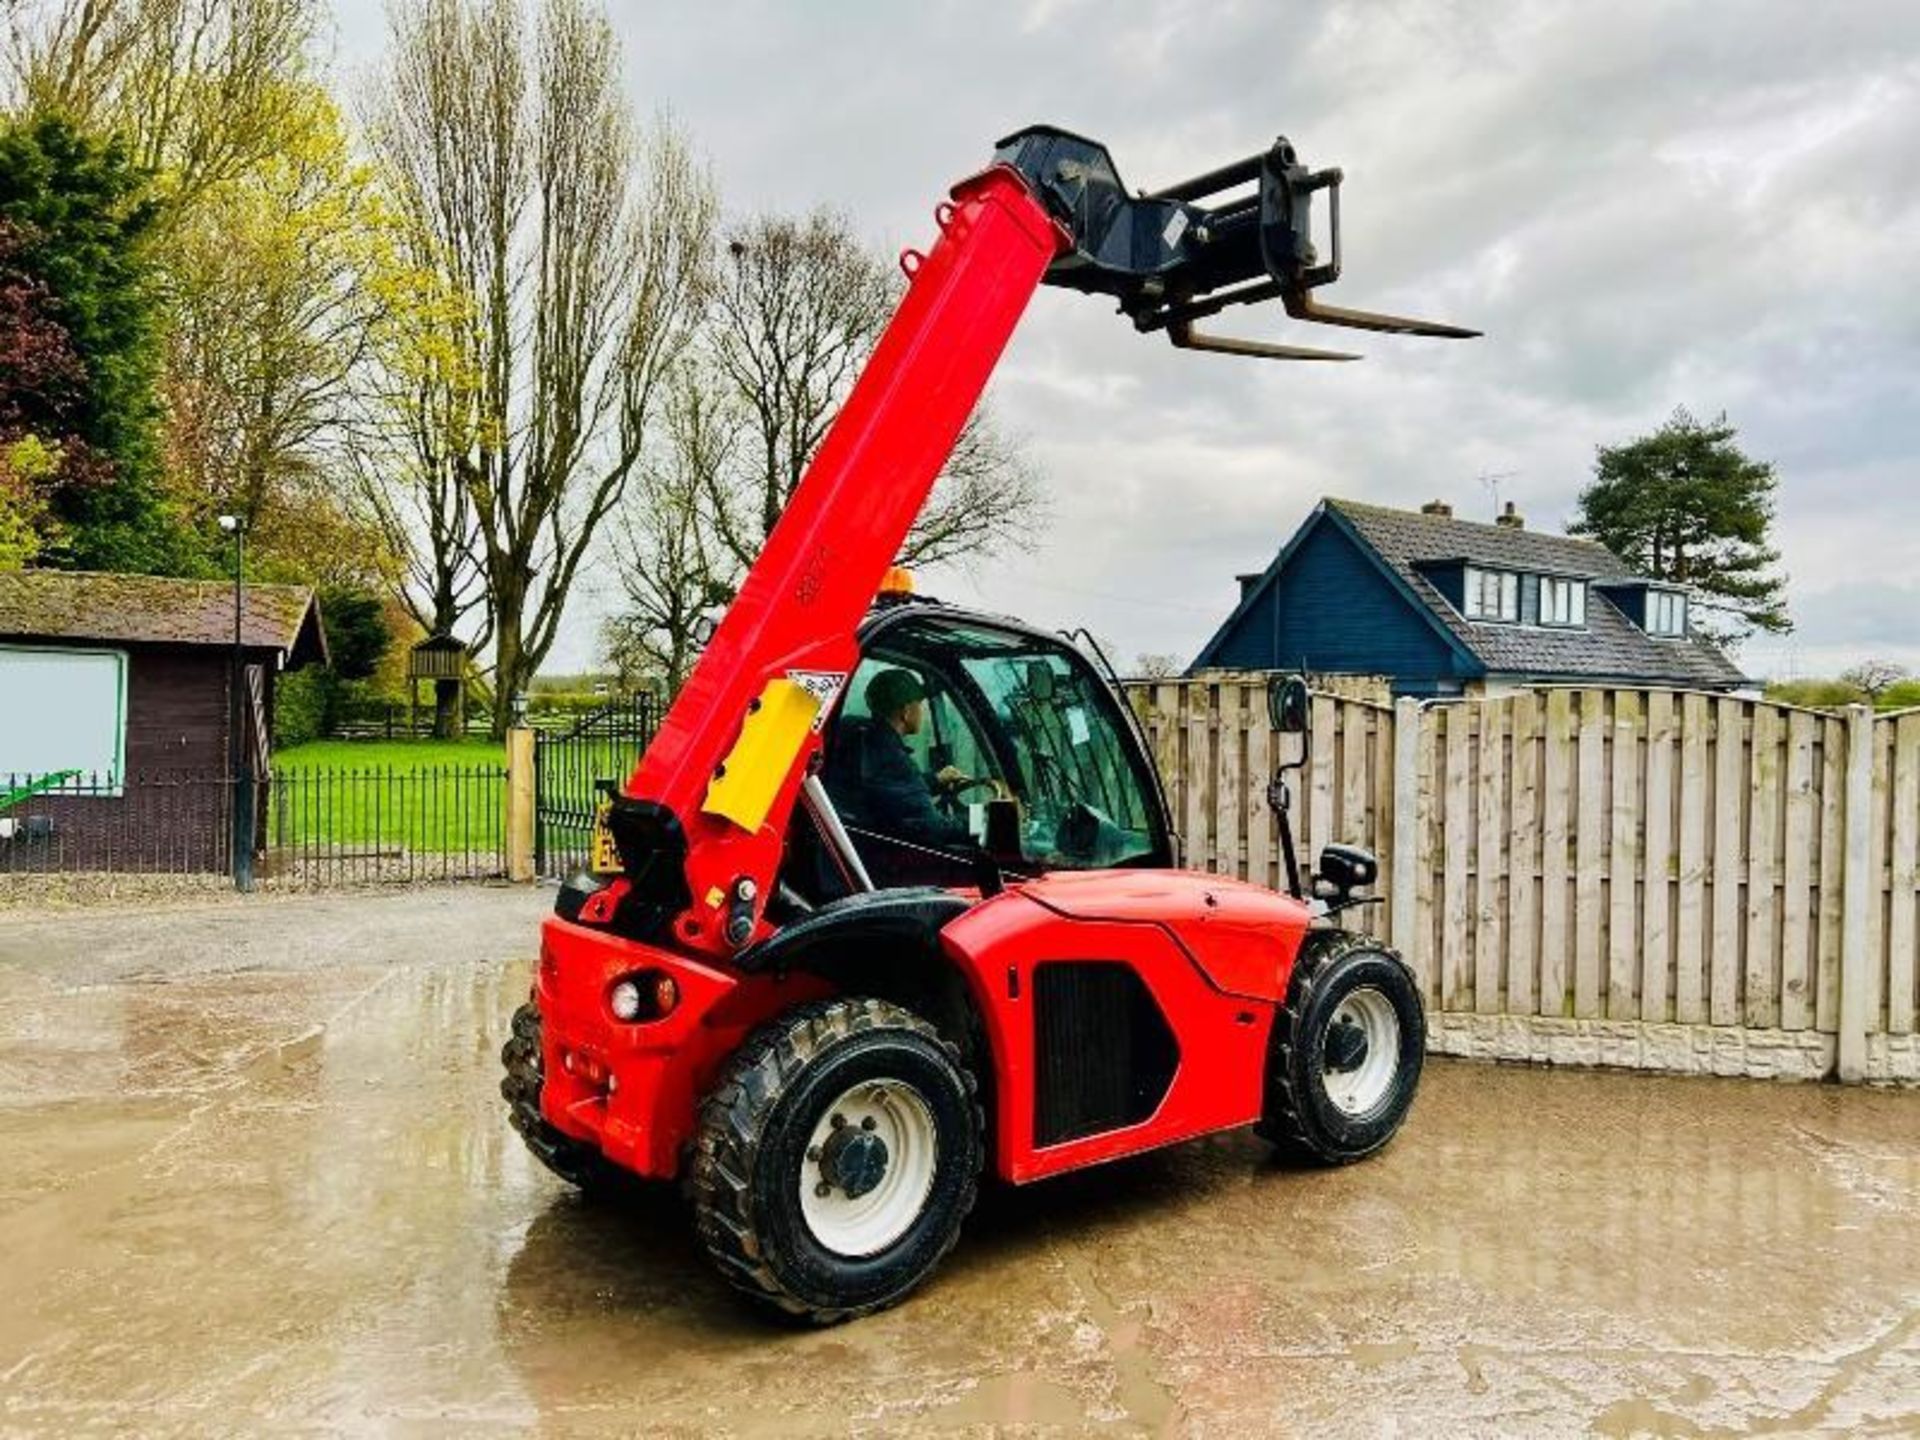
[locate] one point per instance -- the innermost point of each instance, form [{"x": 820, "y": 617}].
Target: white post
[
  {"x": 1404, "y": 879},
  {"x": 1857, "y": 896}
]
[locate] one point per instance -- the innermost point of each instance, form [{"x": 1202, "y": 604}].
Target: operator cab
[{"x": 961, "y": 736}]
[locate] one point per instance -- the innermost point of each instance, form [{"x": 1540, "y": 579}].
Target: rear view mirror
[{"x": 1288, "y": 707}]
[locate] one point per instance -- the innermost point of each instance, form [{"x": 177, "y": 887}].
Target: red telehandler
[{"x": 895, "y": 895}]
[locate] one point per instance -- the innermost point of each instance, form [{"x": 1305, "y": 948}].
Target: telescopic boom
[{"x": 701, "y": 823}]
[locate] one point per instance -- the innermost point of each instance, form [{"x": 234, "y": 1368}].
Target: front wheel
[
  {"x": 836, "y": 1159},
  {"x": 1346, "y": 1052}
]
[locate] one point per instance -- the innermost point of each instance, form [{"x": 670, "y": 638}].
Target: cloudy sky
[{"x": 1644, "y": 206}]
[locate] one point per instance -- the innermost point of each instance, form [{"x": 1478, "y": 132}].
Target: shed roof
[{"x": 158, "y": 610}]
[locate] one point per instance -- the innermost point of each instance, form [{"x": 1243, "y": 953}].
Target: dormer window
[
  {"x": 1563, "y": 602},
  {"x": 1491, "y": 595},
  {"x": 1666, "y": 613}
]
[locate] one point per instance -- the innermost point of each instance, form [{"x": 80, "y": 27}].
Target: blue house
[{"x": 1441, "y": 606}]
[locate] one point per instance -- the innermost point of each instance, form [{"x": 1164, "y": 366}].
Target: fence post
[
  {"x": 1403, "y": 879},
  {"x": 520, "y": 801},
  {"x": 243, "y": 829},
  {"x": 1857, "y": 896}
]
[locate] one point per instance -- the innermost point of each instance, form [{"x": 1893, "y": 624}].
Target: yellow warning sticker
[{"x": 605, "y": 856}]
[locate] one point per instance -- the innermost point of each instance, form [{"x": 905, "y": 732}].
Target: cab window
[
  {"x": 1086, "y": 804},
  {"x": 1007, "y": 720}
]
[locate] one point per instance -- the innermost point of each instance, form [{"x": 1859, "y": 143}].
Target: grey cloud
[{"x": 1644, "y": 204}]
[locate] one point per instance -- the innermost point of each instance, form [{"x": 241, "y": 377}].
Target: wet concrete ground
[{"x": 257, "y": 1178}]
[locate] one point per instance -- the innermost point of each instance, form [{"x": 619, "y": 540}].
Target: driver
[{"x": 886, "y": 788}]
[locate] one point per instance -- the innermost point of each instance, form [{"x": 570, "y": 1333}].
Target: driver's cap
[{"x": 893, "y": 690}]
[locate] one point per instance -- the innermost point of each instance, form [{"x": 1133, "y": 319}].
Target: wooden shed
[{"x": 122, "y": 687}]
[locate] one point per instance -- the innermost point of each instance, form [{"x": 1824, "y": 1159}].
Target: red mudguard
[{"x": 1215, "y": 954}]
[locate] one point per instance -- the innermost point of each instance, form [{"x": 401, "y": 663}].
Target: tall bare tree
[
  {"x": 573, "y": 244},
  {"x": 793, "y": 312},
  {"x": 797, "y": 307},
  {"x": 672, "y": 570}
]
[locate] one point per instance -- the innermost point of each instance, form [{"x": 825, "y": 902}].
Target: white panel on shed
[{"x": 63, "y": 710}]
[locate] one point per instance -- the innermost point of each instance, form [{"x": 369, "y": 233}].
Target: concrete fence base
[{"x": 1667, "y": 1049}]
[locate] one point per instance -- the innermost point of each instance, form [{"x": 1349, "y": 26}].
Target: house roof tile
[{"x": 1610, "y": 647}]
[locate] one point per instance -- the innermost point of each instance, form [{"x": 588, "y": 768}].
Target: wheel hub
[
  {"x": 1346, "y": 1045},
  {"x": 869, "y": 1167},
  {"x": 1360, "y": 1055},
  {"x": 853, "y": 1161}
]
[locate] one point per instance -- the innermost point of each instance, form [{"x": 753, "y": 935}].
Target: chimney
[
  {"x": 1437, "y": 507},
  {"x": 1247, "y": 582},
  {"x": 1510, "y": 518}
]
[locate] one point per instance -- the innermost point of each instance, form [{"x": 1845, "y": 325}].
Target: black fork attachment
[{"x": 1170, "y": 259}]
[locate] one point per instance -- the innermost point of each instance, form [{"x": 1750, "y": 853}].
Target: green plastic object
[{"x": 34, "y": 787}]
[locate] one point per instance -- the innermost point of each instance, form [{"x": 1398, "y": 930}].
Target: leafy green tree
[
  {"x": 270, "y": 319},
  {"x": 41, "y": 382},
  {"x": 79, "y": 218},
  {"x": 1686, "y": 505},
  {"x": 29, "y": 468},
  {"x": 194, "y": 88}
]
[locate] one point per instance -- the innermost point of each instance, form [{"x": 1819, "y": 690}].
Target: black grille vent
[{"x": 1105, "y": 1055}]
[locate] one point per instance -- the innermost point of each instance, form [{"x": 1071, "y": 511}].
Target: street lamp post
[{"x": 238, "y": 769}]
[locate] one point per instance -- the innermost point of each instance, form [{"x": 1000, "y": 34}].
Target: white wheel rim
[
  {"x": 899, "y": 1118},
  {"x": 1359, "y": 1089}
]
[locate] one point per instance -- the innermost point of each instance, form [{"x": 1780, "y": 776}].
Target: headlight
[
  {"x": 624, "y": 1000},
  {"x": 647, "y": 995}
]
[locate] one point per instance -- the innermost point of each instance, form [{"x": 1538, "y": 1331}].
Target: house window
[
  {"x": 1492, "y": 595},
  {"x": 1666, "y": 612},
  {"x": 1563, "y": 602}
]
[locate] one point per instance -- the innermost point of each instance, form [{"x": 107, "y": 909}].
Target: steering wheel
[{"x": 948, "y": 801}]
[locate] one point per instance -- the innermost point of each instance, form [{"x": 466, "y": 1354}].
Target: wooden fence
[{"x": 1643, "y": 877}]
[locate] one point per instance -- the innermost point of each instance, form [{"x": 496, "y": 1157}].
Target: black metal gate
[{"x": 574, "y": 768}]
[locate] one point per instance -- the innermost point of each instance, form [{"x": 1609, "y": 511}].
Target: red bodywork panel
[
  {"x": 1230, "y": 928},
  {"x": 1181, "y": 933},
  {"x": 1215, "y": 954},
  {"x": 640, "y": 1108}
]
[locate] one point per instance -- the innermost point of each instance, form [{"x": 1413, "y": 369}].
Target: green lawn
[
  {"x": 389, "y": 796},
  {"x": 388, "y": 754}
]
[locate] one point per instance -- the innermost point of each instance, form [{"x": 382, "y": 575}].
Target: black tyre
[
  {"x": 1346, "y": 1051},
  {"x": 572, "y": 1161},
  {"x": 836, "y": 1158}
]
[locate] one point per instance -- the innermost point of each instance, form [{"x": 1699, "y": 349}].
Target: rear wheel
[
  {"x": 1347, "y": 1051},
  {"x": 836, "y": 1159},
  {"x": 574, "y": 1162}
]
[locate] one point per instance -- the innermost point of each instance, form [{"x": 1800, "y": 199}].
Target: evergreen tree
[
  {"x": 358, "y": 631},
  {"x": 77, "y": 217},
  {"x": 1686, "y": 505}
]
